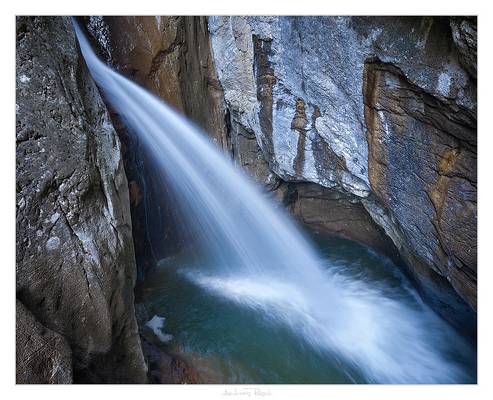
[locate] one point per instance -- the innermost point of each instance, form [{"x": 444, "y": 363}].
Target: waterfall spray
[{"x": 257, "y": 258}]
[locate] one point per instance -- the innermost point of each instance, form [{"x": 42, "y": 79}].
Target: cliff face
[
  {"x": 75, "y": 259},
  {"x": 170, "y": 56},
  {"x": 422, "y": 169},
  {"x": 363, "y": 127},
  {"x": 382, "y": 110}
]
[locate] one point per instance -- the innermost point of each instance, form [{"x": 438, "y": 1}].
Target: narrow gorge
[{"x": 144, "y": 256}]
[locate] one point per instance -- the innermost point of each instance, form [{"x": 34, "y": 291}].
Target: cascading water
[{"x": 254, "y": 256}]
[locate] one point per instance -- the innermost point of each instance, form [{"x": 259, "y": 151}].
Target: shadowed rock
[{"x": 74, "y": 255}]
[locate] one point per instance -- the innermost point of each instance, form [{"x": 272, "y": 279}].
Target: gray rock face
[
  {"x": 464, "y": 33},
  {"x": 299, "y": 85},
  {"x": 42, "y": 356},
  {"x": 272, "y": 69},
  {"x": 74, "y": 253}
]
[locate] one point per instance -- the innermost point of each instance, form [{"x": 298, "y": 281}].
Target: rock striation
[
  {"x": 75, "y": 261},
  {"x": 380, "y": 110},
  {"x": 423, "y": 169},
  {"x": 364, "y": 127}
]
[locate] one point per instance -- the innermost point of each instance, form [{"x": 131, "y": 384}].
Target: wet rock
[
  {"x": 74, "y": 255},
  {"x": 163, "y": 365},
  {"x": 171, "y": 57},
  {"x": 342, "y": 214},
  {"x": 164, "y": 368},
  {"x": 159, "y": 52},
  {"x": 304, "y": 86}
]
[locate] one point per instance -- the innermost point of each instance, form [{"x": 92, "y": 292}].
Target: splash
[{"x": 257, "y": 258}]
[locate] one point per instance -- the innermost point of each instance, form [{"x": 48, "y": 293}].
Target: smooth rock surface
[{"x": 342, "y": 214}]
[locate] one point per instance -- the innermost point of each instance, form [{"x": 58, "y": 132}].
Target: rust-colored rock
[
  {"x": 422, "y": 168},
  {"x": 330, "y": 211},
  {"x": 171, "y": 57}
]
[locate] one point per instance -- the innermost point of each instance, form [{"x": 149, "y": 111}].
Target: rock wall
[
  {"x": 422, "y": 169},
  {"x": 170, "y": 56},
  {"x": 379, "y": 109},
  {"x": 75, "y": 261},
  {"x": 42, "y": 355},
  {"x": 362, "y": 127},
  {"x": 370, "y": 118}
]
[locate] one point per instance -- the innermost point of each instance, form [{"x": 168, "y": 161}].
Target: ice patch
[
  {"x": 24, "y": 78},
  {"x": 157, "y": 325}
]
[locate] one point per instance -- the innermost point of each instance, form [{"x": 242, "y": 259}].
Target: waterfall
[{"x": 255, "y": 256}]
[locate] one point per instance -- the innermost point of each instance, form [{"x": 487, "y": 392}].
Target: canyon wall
[
  {"x": 362, "y": 127},
  {"x": 75, "y": 264},
  {"x": 380, "y": 109},
  {"x": 171, "y": 57}
]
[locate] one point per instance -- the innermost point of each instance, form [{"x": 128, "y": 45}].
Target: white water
[{"x": 261, "y": 261}]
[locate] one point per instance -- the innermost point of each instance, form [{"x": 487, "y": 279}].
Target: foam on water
[
  {"x": 260, "y": 260},
  {"x": 390, "y": 340}
]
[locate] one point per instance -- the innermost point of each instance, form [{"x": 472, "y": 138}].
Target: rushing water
[
  {"x": 249, "y": 331},
  {"x": 257, "y": 290}
]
